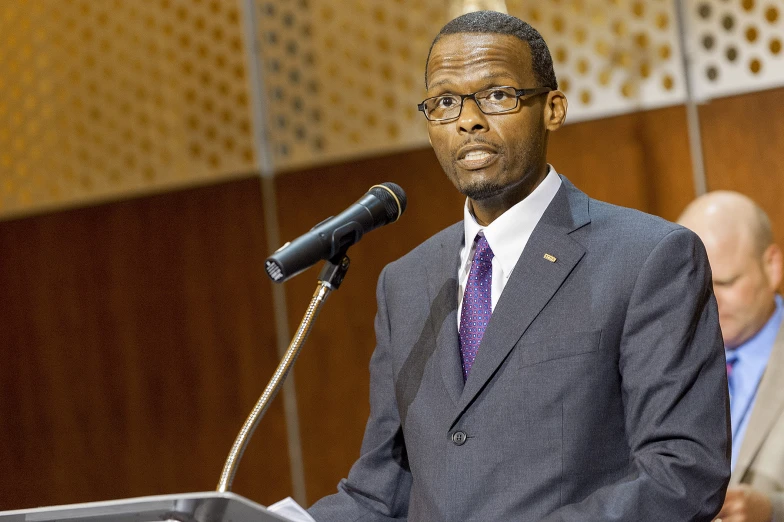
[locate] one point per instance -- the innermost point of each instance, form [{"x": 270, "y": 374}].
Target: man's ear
[
  {"x": 772, "y": 261},
  {"x": 555, "y": 110}
]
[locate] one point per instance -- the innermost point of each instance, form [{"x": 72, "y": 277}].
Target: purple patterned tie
[
  {"x": 732, "y": 358},
  {"x": 476, "y": 304}
]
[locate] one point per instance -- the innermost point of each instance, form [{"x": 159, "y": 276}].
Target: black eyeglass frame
[{"x": 519, "y": 93}]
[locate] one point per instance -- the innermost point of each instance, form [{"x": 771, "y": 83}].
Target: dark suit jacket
[{"x": 599, "y": 391}]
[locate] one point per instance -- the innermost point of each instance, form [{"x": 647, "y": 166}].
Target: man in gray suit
[
  {"x": 551, "y": 357},
  {"x": 747, "y": 270}
]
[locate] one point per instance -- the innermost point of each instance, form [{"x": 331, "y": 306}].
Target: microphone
[{"x": 381, "y": 205}]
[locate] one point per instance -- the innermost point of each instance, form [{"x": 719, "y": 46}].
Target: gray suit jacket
[
  {"x": 598, "y": 394},
  {"x": 761, "y": 459}
]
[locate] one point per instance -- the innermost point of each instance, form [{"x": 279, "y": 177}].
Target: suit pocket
[{"x": 543, "y": 349}]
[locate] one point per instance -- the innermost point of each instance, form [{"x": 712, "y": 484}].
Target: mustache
[{"x": 478, "y": 140}]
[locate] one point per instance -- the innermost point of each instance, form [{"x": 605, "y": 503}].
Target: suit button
[{"x": 459, "y": 438}]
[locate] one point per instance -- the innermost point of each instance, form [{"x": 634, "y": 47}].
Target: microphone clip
[{"x": 335, "y": 269}]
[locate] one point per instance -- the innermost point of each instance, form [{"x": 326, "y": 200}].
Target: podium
[{"x": 211, "y": 506}]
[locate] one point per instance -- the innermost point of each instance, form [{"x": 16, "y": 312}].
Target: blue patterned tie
[{"x": 476, "y": 304}]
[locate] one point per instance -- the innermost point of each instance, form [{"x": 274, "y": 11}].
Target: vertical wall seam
[
  {"x": 283, "y": 334},
  {"x": 272, "y": 233},
  {"x": 692, "y": 113}
]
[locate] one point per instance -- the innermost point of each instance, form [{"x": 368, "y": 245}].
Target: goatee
[{"x": 482, "y": 190}]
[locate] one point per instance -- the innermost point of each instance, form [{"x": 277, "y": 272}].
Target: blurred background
[{"x": 154, "y": 152}]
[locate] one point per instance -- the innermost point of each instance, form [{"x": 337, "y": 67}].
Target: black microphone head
[{"x": 393, "y": 198}]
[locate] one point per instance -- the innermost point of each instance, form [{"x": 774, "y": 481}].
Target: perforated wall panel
[
  {"x": 102, "y": 99},
  {"x": 108, "y": 98},
  {"x": 611, "y": 56},
  {"x": 736, "y": 45},
  {"x": 344, "y": 78}
]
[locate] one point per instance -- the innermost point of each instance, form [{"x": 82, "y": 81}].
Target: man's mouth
[
  {"x": 476, "y": 155},
  {"x": 477, "y": 158}
]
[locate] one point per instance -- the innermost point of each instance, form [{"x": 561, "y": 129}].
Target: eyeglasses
[{"x": 490, "y": 101}]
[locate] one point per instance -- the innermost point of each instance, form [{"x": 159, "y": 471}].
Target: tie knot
[
  {"x": 732, "y": 358},
  {"x": 483, "y": 251}
]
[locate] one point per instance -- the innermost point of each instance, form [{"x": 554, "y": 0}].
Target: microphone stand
[{"x": 329, "y": 280}]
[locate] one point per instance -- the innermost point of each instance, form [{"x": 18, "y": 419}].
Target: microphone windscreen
[{"x": 393, "y": 198}]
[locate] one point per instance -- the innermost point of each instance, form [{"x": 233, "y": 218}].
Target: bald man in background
[{"x": 747, "y": 270}]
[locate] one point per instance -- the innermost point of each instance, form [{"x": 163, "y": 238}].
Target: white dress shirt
[{"x": 507, "y": 236}]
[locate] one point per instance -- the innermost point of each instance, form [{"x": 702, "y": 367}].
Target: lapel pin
[{"x": 550, "y": 258}]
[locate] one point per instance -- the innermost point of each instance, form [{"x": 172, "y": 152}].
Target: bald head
[
  {"x": 729, "y": 217},
  {"x": 745, "y": 263}
]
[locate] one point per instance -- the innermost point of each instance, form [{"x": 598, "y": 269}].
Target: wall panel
[
  {"x": 742, "y": 139},
  {"x": 136, "y": 338},
  {"x": 639, "y": 160},
  {"x": 105, "y": 100}
]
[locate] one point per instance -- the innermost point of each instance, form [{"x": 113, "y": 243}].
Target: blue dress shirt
[{"x": 750, "y": 360}]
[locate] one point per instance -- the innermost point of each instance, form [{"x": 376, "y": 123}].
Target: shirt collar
[
  {"x": 757, "y": 349},
  {"x": 509, "y": 233}
]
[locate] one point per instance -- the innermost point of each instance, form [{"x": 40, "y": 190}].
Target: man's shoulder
[
  {"x": 623, "y": 234},
  {"x": 608, "y": 214},
  {"x": 628, "y": 238},
  {"x": 608, "y": 220}
]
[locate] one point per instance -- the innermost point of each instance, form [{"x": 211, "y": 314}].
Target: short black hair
[{"x": 499, "y": 23}]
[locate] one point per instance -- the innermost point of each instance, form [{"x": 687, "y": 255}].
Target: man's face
[
  {"x": 744, "y": 291},
  {"x": 488, "y": 156}
]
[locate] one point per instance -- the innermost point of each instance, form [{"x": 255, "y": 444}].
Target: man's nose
[{"x": 472, "y": 119}]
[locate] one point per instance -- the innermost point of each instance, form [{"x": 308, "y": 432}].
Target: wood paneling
[
  {"x": 135, "y": 339},
  {"x": 743, "y": 139},
  {"x": 638, "y": 160}
]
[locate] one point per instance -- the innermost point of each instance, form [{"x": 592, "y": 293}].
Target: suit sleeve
[
  {"x": 379, "y": 483},
  {"x": 674, "y": 391}
]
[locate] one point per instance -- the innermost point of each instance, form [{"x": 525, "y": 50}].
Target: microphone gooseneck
[{"x": 328, "y": 240}]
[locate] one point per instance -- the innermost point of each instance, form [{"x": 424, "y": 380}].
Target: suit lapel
[
  {"x": 767, "y": 408},
  {"x": 442, "y": 268},
  {"x": 532, "y": 284}
]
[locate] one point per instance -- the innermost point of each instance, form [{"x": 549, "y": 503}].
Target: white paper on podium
[{"x": 289, "y": 508}]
